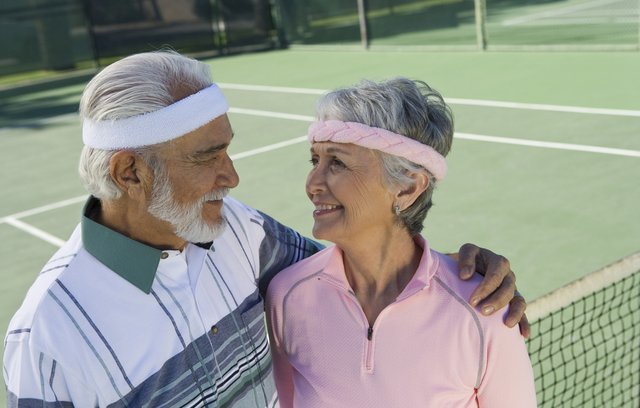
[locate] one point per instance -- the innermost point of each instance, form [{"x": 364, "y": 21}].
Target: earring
[{"x": 396, "y": 209}]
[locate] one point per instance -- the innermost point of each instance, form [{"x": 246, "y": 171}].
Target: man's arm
[
  {"x": 498, "y": 287},
  {"x": 281, "y": 247},
  {"x": 32, "y": 378}
]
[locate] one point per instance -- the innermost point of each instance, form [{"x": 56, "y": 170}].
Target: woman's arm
[{"x": 508, "y": 377}]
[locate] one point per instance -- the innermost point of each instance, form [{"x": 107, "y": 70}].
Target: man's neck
[{"x": 134, "y": 221}]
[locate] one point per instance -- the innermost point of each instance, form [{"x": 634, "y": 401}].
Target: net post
[
  {"x": 362, "y": 18},
  {"x": 481, "y": 29}
]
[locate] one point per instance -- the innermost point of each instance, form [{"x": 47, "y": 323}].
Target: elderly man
[{"x": 155, "y": 298}]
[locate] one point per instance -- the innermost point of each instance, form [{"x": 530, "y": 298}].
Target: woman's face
[{"x": 346, "y": 186}]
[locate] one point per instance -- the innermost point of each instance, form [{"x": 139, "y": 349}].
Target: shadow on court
[{"x": 26, "y": 106}]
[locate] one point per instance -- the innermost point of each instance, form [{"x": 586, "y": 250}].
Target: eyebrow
[{"x": 211, "y": 150}]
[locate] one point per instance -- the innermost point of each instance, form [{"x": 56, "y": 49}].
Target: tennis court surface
[{"x": 544, "y": 168}]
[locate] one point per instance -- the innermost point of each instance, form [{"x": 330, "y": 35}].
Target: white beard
[{"x": 186, "y": 219}]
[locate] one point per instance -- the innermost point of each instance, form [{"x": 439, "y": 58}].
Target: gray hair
[
  {"x": 135, "y": 85},
  {"x": 407, "y": 107}
]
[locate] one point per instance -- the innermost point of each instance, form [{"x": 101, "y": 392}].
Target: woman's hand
[{"x": 498, "y": 287}]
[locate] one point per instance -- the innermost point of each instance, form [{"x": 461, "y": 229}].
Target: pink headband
[{"x": 379, "y": 139}]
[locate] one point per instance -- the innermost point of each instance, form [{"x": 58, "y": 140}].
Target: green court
[{"x": 545, "y": 168}]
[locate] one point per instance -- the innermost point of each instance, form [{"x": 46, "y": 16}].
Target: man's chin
[{"x": 203, "y": 234}]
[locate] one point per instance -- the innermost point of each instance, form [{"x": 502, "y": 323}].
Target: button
[
  {"x": 164, "y": 255},
  {"x": 214, "y": 329}
]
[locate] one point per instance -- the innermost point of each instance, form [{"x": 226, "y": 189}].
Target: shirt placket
[{"x": 174, "y": 280}]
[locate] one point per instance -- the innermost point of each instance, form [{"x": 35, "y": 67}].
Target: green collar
[{"x": 132, "y": 260}]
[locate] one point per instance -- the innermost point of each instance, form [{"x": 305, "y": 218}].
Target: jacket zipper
[{"x": 368, "y": 357}]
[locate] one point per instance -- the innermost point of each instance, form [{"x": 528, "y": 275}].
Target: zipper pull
[{"x": 369, "y": 333}]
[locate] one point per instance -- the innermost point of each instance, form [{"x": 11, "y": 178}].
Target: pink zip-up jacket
[{"x": 429, "y": 348}]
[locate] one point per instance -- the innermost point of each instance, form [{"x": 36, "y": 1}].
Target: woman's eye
[
  {"x": 313, "y": 161},
  {"x": 337, "y": 163}
]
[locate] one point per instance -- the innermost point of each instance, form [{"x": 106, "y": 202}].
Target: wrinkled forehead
[
  {"x": 213, "y": 136},
  {"x": 345, "y": 149}
]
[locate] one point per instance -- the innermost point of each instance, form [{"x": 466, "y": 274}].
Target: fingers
[
  {"x": 516, "y": 315},
  {"x": 497, "y": 288},
  {"x": 494, "y": 292},
  {"x": 467, "y": 260},
  {"x": 497, "y": 277},
  {"x": 525, "y": 327}
]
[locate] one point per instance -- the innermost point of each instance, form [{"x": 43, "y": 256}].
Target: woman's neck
[{"x": 380, "y": 270}]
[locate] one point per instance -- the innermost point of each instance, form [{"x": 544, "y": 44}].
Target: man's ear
[
  {"x": 130, "y": 173},
  {"x": 406, "y": 197}
]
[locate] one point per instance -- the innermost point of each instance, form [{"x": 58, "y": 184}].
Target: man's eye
[{"x": 207, "y": 159}]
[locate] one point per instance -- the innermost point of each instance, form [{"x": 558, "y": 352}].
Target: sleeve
[
  {"x": 32, "y": 378},
  {"x": 280, "y": 248},
  {"x": 508, "y": 377},
  {"x": 282, "y": 369}
]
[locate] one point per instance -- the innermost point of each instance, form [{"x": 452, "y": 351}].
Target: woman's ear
[
  {"x": 406, "y": 197},
  {"x": 129, "y": 172}
]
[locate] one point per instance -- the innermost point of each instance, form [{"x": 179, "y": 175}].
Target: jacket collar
[{"x": 334, "y": 272}]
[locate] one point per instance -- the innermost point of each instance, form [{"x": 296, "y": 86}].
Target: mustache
[{"x": 216, "y": 195}]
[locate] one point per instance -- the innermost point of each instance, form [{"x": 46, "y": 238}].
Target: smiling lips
[{"x": 322, "y": 209}]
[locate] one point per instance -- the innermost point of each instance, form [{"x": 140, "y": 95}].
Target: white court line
[
  {"x": 453, "y": 101},
  {"x": 64, "y": 203},
  {"x": 549, "y": 145},
  {"x": 557, "y": 12},
  {"x": 269, "y": 114},
  {"x": 544, "y": 107},
  {"x": 264, "y": 88},
  {"x": 13, "y": 219},
  {"x": 584, "y": 21},
  {"x": 36, "y": 232},
  {"x": 484, "y": 138},
  {"x": 45, "y": 208},
  {"x": 269, "y": 148}
]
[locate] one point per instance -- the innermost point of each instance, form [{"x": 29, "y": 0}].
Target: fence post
[
  {"x": 53, "y": 30},
  {"x": 481, "y": 29},
  {"x": 88, "y": 18},
  {"x": 362, "y": 17}
]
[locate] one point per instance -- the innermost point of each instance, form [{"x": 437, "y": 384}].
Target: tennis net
[{"x": 585, "y": 343}]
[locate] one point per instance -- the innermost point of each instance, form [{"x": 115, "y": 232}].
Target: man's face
[{"x": 197, "y": 173}]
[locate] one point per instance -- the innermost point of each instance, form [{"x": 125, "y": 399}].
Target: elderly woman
[{"x": 381, "y": 319}]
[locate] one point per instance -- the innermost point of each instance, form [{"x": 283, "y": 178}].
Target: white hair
[{"x": 135, "y": 85}]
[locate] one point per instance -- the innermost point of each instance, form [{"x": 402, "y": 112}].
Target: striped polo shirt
[{"x": 112, "y": 322}]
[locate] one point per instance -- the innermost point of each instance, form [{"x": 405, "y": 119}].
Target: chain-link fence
[
  {"x": 65, "y": 34},
  {"x": 468, "y": 24},
  {"x": 62, "y": 34}
]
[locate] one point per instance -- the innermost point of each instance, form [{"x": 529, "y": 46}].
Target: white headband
[{"x": 159, "y": 126}]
